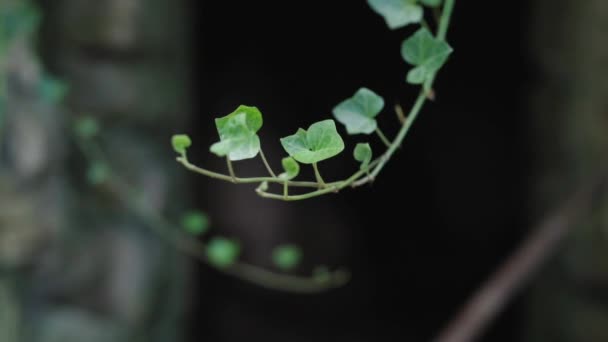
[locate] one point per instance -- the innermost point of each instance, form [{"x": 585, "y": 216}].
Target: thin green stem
[
  {"x": 272, "y": 174},
  {"x": 369, "y": 173},
  {"x": 422, "y": 97},
  {"x": 401, "y": 135},
  {"x": 237, "y": 180},
  {"x": 285, "y": 189},
  {"x": 128, "y": 196},
  {"x": 318, "y": 176},
  {"x": 230, "y": 169},
  {"x": 383, "y": 137},
  {"x": 444, "y": 22},
  {"x": 331, "y": 188}
]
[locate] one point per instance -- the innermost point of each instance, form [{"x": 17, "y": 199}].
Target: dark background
[{"x": 444, "y": 213}]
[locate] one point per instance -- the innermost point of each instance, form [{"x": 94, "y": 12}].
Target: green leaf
[
  {"x": 427, "y": 53},
  {"x": 52, "y": 90},
  {"x": 321, "y": 274},
  {"x": 238, "y": 134},
  {"x": 397, "y": 13},
  {"x": 180, "y": 143},
  {"x": 98, "y": 173},
  {"x": 320, "y": 142},
  {"x": 287, "y": 257},
  {"x": 195, "y": 223},
  {"x": 363, "y": 154},
  {"x": 86, "y": 127},
  {"x": 291, "y": 167},
  {"x": 358, "y": 113},
  {"x": 431, "y": 3},
  {"x": 222, "y": 252}
]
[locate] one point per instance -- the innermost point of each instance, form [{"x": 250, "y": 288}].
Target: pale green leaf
[
  {"x": 287, "y": 257},
  {"x": 397, "y": 13},
  {"x": 98, "y": 173},
  {"x": 180, "y": 143},
  {"x": 238, "y": 134},
  {"x": 321, "y": 141},
  {"x": 358, "y": 112},
  {"x": 222, "y": 252},
  {"x": 427, "y": 53},
  {"x": 195, "y": 223},
  {"x": 86, "y": 127},
  {"x": 291, "y": 167},
  {"x": 52, "y": 90},
  {"x": 363, "y": 154}
]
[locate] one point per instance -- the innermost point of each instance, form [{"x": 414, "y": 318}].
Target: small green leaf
[
  {"x": 321, "y": 275},
  {"x": 397, "y": 13},
  {"x": 363, "y": 154},
  {"x": 358, "y": 113},
  {"x": 195, "y": 223},
  {"x": 222, "y": 252},
  {"x": 287, "y": 257},
  {"x": 180, "y": 143},
  {"x": 86, "y": 127},
  {"x": 431, "y": 3},
  {"x": 98, "y": 173},
  {"x": 238, "y": 134},
  {"x": 320, "y": 142},
  {"x": 52, "y": 90},
  {"x": 427, "y": 53},
  {"x": 291, "y": 167}
]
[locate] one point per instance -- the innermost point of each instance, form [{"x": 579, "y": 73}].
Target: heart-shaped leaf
[
  {"x": 363, "y": 154},
  {"x": 287, "y": 257},
  {"x": 291, "y": 167},
  {"x": 358, "y": 113},
  {"x": 397, "y": 13},
  {"x": 426, "y": 53},
  {"x": 320, "y": 142},
  {"x": 222, "y": 252},
  {"x": 238, "y": 134}
]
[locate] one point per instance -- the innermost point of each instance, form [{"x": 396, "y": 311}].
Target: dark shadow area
[{"x": 439, "y": 219}]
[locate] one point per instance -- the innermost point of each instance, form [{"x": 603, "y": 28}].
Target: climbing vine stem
[{"x": 238, "y": 130}]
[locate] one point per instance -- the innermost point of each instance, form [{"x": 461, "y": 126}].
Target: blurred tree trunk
[
  {"x": 570, "y": 109},
  {"x": 83, "y": 267}
]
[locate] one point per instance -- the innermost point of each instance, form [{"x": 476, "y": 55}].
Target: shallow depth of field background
[{"x": 520, "y": 119}]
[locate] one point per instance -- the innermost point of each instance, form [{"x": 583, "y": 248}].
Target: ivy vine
[{"x": 238, "y": 131}]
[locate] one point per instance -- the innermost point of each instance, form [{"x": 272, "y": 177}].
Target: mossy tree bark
[{"x": 75, "y": 264}]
